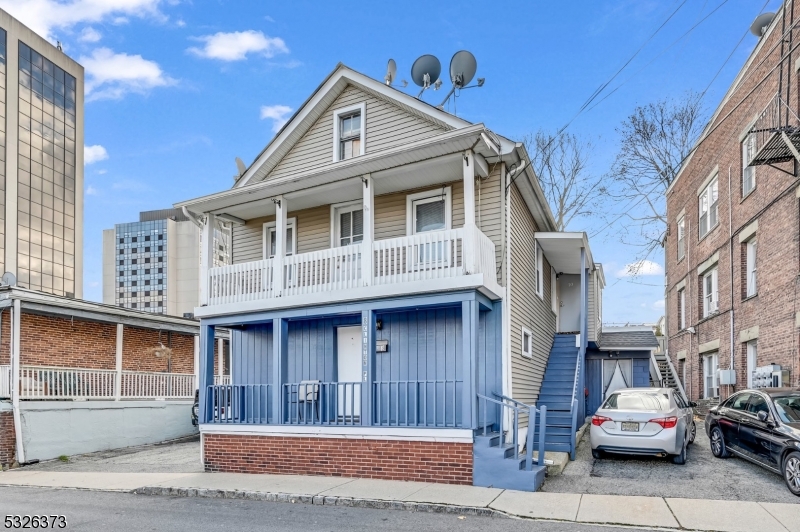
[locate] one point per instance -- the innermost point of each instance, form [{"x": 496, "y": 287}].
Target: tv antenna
[
  {"x": 463, "y": 66},
  {"x": 425, "y": 73},
  {"x": 761, "y": 23}
]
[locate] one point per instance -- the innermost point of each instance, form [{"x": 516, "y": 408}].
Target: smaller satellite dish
[
  {"x": 425, "y": 71},
  {"x": 761, "y": 23},
  {"x": 462, "y": 68},
  {"x": 8, "y": 279},
  {"x": 391, "y": 72},
  {"x": 240, "y": 166}
]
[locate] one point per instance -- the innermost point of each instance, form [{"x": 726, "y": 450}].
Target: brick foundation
[
  {"x": 7, "y": 438},
  {"x": 443, "y": 462}
]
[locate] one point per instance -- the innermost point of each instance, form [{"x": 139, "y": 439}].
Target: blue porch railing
[
  {"x": 428, "y": 403},
  {"x": 322, "y": 403},
  {"x": 239, "y": 403},
  {"x": 506, "y": 407}
]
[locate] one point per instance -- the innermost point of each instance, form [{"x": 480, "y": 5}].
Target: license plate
[{"x": 630, "y": 427}]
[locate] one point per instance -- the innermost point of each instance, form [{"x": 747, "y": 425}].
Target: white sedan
[{"x": 643, "y": 421}]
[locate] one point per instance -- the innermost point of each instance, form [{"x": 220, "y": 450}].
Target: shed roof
[{"x": 628, "y": 340}]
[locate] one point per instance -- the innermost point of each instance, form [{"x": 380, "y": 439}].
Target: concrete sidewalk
[{"x": 668, "y": 513}]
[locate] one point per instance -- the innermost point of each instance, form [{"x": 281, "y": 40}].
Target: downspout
[
  {"x": 506, "y": 257},
  {"x": 730, "y": 263},
  {"x": 15, "y": 379}
]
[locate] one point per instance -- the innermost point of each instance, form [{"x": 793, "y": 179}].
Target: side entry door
[{"x": 731, "y": 417}]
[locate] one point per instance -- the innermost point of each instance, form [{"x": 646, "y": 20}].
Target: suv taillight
[
  {"x": 665, "y": 422},
  {"x": 599, "y": 420}
]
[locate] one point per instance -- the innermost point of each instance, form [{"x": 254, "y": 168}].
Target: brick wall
[
  {"x": 52, "y": 341},
  {"x": 5, "y": 337},
  {"x": 448, "y": 463},
  {"x": 137, "y": 341},
  {"x": 7, "y": 438},
  {"x": 773, "y": 203}
]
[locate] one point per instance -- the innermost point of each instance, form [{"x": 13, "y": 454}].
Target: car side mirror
[{"x": 762, "y": 416}]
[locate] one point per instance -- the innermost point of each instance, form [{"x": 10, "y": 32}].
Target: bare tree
[
  {"x": 561, "y": 162},
  {"x": 655, "y": 140}
]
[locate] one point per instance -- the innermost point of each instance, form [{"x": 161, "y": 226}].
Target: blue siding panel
[
  {"x": 251, "y": 352},
  {"x": 594, "y": 381},
  {"x": 641, "y": 372}
]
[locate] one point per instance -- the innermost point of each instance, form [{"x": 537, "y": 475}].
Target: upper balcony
[{"x": 775, "y": 135}]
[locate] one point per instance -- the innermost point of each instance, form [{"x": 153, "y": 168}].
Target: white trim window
[
  {"x": 539, "y": 267},
  {"x": 752, "y": 361},
  {"x": 429, "y": 211},
  {"x": 709, "y": 207},
  {"x": 682, "y": 308},
  {"x": 748, "y": 172},
  {"x": 268, "y": 238},
  {"x": 526, "y": 340},
  {"x": 347, "y": 223},
  {"x": 681, "y": 237},
  {"x": 751, "y": 250},
  {"x": 349, "y": 132},
  {"x": 710, "y": 292},
  {"x": 710, "y": 382}
]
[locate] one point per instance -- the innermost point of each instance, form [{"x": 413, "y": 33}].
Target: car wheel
[
  {"x": 597, "y": 454},
  {"x": 692, "y": 432},
  {"x": 718, "y": 447},
  {"x": 791, "y": 472},
  {"x": 680, "y": 459}
]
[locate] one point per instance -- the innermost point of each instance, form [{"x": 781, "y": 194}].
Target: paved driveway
[
  {"x": 703, "y": 476},
  {"x": 177, "y": 457}
]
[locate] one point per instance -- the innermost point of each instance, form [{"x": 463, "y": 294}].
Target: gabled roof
[{"x": 319, "y": 101}]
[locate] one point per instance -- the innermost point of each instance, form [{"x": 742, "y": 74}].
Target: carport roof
[{"x": 627, "y": 340}]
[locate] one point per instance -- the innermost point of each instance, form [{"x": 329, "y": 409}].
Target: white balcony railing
[
  {"x": 5, "y": 381},
  {"x": 38, "y": 382},
  {"x": 423, "y": 257},
  {"x": 220, "y": 380}
]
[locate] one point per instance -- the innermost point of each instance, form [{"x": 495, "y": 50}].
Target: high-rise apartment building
[
  {"x": 41, "y": 162},
  {"x": 154, "y": 264}
]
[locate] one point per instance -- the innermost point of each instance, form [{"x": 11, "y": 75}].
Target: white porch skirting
[{"x": 359, "y": 433}]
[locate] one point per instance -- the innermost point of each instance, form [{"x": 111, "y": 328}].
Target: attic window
[{"x": 349, "y": 130}]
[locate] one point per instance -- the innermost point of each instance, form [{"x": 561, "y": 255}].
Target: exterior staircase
[
  {"x": 668, "y": 379},
  {"x": 556, "y": 394},
  {"x": 494, "y": 464}
]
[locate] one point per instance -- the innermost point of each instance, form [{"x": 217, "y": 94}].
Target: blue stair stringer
[
  {"x": 494, "y": 465},
  {"x": 556, "y": 394}
]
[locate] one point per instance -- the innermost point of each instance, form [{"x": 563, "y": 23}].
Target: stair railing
[
  {"x": 675, "y": 377},
  {"x": 508, "y": 405},
  {"x": 655, "y": 366},
  {"x": 574, "y": 404}
]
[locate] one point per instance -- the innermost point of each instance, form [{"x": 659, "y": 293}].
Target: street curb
[{"x": 319, "y": 500}]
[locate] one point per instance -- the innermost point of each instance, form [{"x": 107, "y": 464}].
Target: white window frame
[
  {"x": 553, "y": 298},
  {"x": 426, "y": 197},
  {"x": 526, "y": 332},
  {"x": 682, "y": 308},
  {"x": 336, "y": 210},
  {"x": 362, "y": 107},
  {"x": 681, "y": 237},
  {"x": 265, "y": 230},
  {"x": 538, "y": 269},
  {"x": 706, "y": 195},
  {"x": 752, "y": 361},
  {"x": 748, "y": 172},
  {"x": 751, "y": 264},
  {"x": 710, "y": 299},
  {"x": 710, "y": 369}
]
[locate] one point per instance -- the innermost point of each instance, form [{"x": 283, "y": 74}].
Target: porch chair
[{"x": 308, "y": 392}]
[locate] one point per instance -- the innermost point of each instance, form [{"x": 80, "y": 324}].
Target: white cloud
[
  {"x": 91, "y": 191},
  {"x": 111, "y": 75},
  {"x": 46, "y": 16},
  {"x": 642, "y": 267},
  {"x": 658, "y": 304},
  {"x": 92, "y": 154},
  {"x": 90, "y": 34},
  {"x": 235, "y": 46},
  {"x": 103, "y": 171},
  {"x": 279, "y": 114}
]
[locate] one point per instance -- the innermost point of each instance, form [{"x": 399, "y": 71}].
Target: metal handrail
[
  {"x": 574, "y": 403},
  {"x": 654, "y": 362},
  {"x": 675, "y": 375},
  {"x": 516, "y": 408}
]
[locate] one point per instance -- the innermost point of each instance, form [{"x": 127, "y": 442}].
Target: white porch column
[
  {"x": 368, "y": 206},
  {"x": 220, "y": 359},
  {"x": 206, "y": 256},
  {"x": 470, "y": 259},
  {"x": 16, "y": 320},
  {"x": 196, "y": 367},
  {"x": 118, "y": 367},
  {"x": 280, "y": 245}
]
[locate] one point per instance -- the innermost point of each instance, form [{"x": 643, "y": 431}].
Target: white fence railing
[
  {"x": 422, "y": 257},
  {"x": 5, "y": 381},
  {"x": 37, "y": 382},
  {"x": 222, "y": 380}
]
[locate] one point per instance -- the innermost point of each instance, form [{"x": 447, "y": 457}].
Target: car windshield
[
  {"x": 788, "y": 408},
  {"x": 637, "y": 401}
]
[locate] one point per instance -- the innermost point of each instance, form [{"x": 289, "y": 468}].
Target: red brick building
[{"x": 732, "y": 253}]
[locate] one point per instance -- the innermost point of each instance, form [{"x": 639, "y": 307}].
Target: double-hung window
[
  {"x": 348, "y": 132},
  {"x": 710, "y": 295},
  {"x": 426, "y": 212},
  {"x": 709, "y": 207},
  {"x": 750, "y": 263},
  {"x": 748, "y": 172},
  {"x": 527, "y": 343},
  {"x": 538, "y": 261},
  {"x": 270, "y": 240},
  {"x": 349, "y": 224},
  {"x": 681, "y": 238}
]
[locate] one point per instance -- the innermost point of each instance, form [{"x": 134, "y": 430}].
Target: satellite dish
[
  {"x": 462, "y": 68},
  {"x": 391, "y": 72},
  {"x": 240, "y": 166},
  {"x": 761, "y": 23},
  {"x": 9, "y": 279},
  {"x": 425, "y": 72}
]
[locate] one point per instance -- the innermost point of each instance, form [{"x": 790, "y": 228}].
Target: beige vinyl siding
[
  {"x": 527, "y": 308},
  {"x": 386, "y": 126},
  {"x": 594, "y": 306},
  {"x": 390, "y": 210},
  {"x": 489, "y": 215},
  {"x": 313, "y": 233}
]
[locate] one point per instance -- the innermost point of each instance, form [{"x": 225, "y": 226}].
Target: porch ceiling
[{"x": 563, "y": 250}]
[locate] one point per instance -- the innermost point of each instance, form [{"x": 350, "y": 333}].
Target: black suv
[{"x": 762, "y": 426}]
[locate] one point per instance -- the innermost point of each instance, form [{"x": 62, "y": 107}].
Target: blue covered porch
[{"x": 401, "y": 362}]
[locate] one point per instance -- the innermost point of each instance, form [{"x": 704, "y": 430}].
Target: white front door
[
  {"x": 710, "y": 366},
  {"x": 569, "y": 294},
  {"x": 349, "y": 371}
]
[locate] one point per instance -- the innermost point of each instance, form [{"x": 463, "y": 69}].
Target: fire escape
[{"x": 775, "y": 136}]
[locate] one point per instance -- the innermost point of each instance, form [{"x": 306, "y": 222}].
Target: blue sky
[{"x": 177, "y": 89}]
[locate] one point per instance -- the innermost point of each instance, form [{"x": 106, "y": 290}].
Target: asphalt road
[
  {"x": 702, "y": 477},
  {"x": 121, "y": 512}
]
